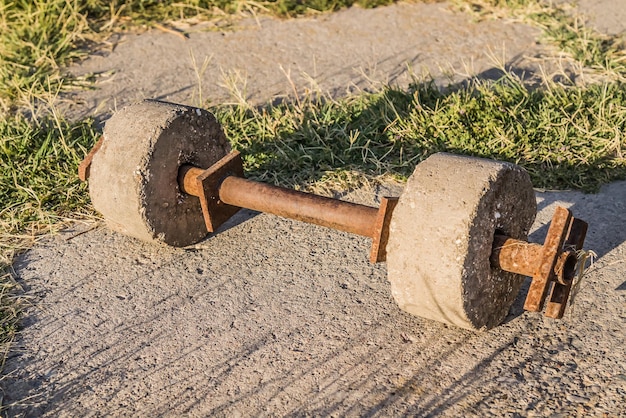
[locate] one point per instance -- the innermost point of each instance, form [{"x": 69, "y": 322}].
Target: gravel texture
[{"x": 274, "y": 317}]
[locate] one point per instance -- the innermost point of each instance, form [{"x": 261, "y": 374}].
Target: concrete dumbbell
[{"x": 455, "y": 241}]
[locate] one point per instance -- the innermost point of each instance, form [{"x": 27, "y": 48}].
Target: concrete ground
[{"x": 273, "y": 317}]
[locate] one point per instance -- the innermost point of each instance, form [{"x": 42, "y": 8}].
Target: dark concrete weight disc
[{"x": 133, "y": 179}]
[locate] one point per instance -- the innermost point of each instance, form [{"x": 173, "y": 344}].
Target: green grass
[
  {"x": 566, "y": 136},
  {"x": 40, "y": 184},
  {"x": 39, "y": 37}
]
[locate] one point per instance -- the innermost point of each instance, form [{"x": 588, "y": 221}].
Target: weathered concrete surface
[
  {"x": 441, "y": 237},
  {"x": 272, "y": 317},
  {"x": 606, "y": 16},
  {"x": 133, "y": 179}
]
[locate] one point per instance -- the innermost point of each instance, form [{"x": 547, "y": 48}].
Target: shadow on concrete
[{"x": 316, "y": 360}]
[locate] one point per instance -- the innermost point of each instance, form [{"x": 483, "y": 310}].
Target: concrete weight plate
[
  {"x": 133, "y": 179},
  {"x": 441, "y": 237}
]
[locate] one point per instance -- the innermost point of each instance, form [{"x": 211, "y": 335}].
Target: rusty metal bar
[
  {"x": 381, "y": 229},
  {"x": 515, "y": 256},
  {"x": 188, "y": 180},
  {"x": 557, "y": 233},
  {"x": 205, "y": 185},
  {"x": 306, "y": 207},
  {"x": 557, "y": 301},
  {"x": 288, "y": 203},
  {"x": 523, "y": 258},
  {"x": 223, "y": 189},
  {"x": 85, "y": 165}
]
